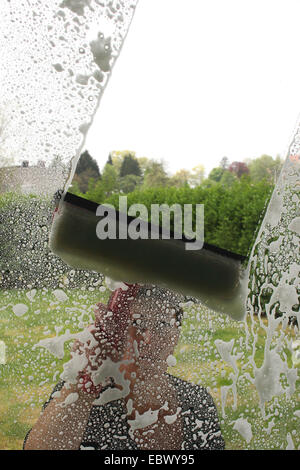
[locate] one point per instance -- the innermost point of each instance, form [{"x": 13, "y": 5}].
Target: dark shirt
[{"x": 108, "y": 429}]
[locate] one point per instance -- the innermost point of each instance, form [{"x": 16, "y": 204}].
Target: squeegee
[{"x": 212, "y": 275}]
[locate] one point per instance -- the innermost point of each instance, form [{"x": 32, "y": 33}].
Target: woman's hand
[{"x": 108, "y": 340}]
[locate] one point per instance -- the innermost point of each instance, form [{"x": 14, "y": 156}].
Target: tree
[
  {"x": 95, "y": 191},
  {"x": 208, "y": 183},
  {"x": 228, "y": 178},
  {"x": 74, "y": 188},
  {"x": 117, "y": 157},
  {"x": 155, "y": 175},
  {"x": 144, "y": 163},
  {"x": 224, "y": 163},
  {"x": 197, "y": 175},
  {"x": 216, "y": 174},
  {"x": 265, "y": 167},
  {"x": 239, "y": 168},
  {"x": 109, "y": 180},
  {"x": 130, "y": 166},
  {"x": 129, "y": 183},
  {"x": 87, "y": 168},
  {"x": 109, "y": 160},
  {"x": 181, "y": 178},
  {"x": 87, "y": 162}
]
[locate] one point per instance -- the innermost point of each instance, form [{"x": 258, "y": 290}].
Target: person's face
[{"x": 154, "y": 331}]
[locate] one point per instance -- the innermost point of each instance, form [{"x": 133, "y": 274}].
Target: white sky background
[{"x": 197, "y": 80}]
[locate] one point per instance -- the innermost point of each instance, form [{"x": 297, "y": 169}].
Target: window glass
[{"x": 199, "y": 109}]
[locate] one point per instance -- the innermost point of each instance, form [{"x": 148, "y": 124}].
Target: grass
[{"x": 30, "y": 372}]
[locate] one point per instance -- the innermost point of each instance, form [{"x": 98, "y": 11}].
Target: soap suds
[
  {"x": 171, "y": 361},
  {"x": 20, "y": 309},
  {"x": 244, "y": 428}
]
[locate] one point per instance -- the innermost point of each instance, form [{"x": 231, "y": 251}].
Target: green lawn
[{"x": 30, "y": 372}]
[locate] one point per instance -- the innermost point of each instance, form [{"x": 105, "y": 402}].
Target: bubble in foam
[
  {"x": 102, "y": 52},
  {"x": 295, "y": 225},
  {"x": 113, "y": 285},
  {"x": 70, "y": 399},
  {"x": 60, "y": 295},
  {"x": 20, "y": 309},
  {"x": 171, "y": 361},
  {"x": 244, "y": 428},
  {"x": 31, "y": 294},
  {"x": 76, "y": 6},
  {"x": 290, "y": 442},
  {"x": 58, "y": 67}
]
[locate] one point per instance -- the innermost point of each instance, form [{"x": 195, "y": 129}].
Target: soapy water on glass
[
  {"x": 80, "y": 55},
  {"x": 274, "y": 379}
]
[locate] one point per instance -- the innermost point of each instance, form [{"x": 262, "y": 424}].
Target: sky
[{"x": 198, "y": 80}]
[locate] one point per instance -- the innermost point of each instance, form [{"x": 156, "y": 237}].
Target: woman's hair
[{"x": 162, "y": 297}]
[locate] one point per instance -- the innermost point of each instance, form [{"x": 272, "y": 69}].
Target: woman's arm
[{"x": 62, "y": 424}]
